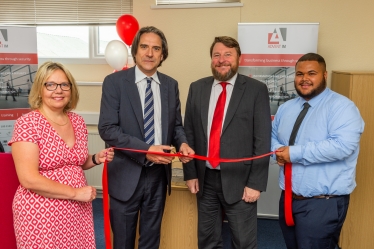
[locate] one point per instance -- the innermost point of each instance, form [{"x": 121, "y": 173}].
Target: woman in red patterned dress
[{"x": 52, "y": 206}]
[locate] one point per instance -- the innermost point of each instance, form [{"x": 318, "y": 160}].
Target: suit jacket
[
  {"x": 121, "y": 125},
  {"x": 246, "y": 132}
]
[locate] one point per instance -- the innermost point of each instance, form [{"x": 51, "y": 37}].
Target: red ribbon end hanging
[
  {"x": 108, "y": 242},
  {"x": 288, "y": 194}
]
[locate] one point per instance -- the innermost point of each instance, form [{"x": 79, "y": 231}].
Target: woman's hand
[
  {"x": 85, "y": 194},
  {"x": 106, "y": 155}
]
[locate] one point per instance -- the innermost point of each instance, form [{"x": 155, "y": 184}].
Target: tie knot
[
  {"x": 306, "y": 105},
  {"x": 224, "y": 84},
  {"x": 149, "y": 80}
]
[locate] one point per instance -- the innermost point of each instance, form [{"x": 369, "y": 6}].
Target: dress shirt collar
[
  {"x": 230, "y": 81},
  {"x": 139, "y": 76},
  {"x": 315, "y": 100}
]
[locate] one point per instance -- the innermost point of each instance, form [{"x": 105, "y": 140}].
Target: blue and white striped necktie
[{"x": 149, "y": 124}]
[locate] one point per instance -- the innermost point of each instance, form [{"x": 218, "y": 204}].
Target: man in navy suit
[{"x": 138, "y": 182}]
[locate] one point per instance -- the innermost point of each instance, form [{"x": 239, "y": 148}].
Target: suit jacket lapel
[
  {"x": 133, "y": 94},
  {"x": 205, "y": 96},
  {"x": 236, "y": 97},
  {"x": 164, "y": 107}
]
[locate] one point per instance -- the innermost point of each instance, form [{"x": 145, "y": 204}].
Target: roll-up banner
[
  {"x": 269, "y": 54},
  {"x": 18, "y": 65}
]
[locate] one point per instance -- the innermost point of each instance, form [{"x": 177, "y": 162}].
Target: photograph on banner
[
  {"x": 15, "y": 85},
  {"x": 269, "y": 54},
  {"x": 279, "y": 80},
  {"x": 18, "y": 65}
]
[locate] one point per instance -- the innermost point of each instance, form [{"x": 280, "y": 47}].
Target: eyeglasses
[{"x": 51, "y": 86}]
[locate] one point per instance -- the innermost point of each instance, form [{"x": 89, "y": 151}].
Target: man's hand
[
  {"x": 250, "y": 195},
  {"x": 186, "y": 151},
  {"x": 193, "y": 185},
  {"x": 159, "y": 159},
  {"x": 283, "y": 155}
]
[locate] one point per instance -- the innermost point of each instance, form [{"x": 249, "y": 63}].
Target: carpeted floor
[{"x": 269, "y": 233}]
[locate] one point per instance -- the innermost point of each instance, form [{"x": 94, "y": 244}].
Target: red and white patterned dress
[{"x": 41, "y": 222}]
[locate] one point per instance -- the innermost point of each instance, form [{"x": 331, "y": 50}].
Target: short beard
[
  {"x": 226, "y": 76},
  {"x": 313, "y": 93}
]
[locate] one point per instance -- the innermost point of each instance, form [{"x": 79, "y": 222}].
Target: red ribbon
[
  {"x": 203, "y": 158},
  {"x": 108, "y": 244},
  {"x": 288, "y": 194}
]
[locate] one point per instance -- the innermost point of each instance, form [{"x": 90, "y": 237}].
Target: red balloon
[{"x": 127, "y": 27}]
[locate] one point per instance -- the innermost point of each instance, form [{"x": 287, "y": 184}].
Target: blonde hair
[{"x": 43, "y": 73}]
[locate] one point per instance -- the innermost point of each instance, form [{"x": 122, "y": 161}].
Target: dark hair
[
  {"x": 313, "y": 57},
  {"x": 228, "y": 42},
  {"x": 150, "y": 29}
]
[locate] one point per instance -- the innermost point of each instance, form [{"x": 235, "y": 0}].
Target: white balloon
[{"x": 116, "y": 54}]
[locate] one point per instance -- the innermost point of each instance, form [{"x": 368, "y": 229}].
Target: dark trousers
[
  {"x": 318, "y": 222},
  {"x": 242, "y": 217},
  {"x": 148, "y": 204}
]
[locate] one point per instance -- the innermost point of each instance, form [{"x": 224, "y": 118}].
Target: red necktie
[{"x": 215, "y": 130}]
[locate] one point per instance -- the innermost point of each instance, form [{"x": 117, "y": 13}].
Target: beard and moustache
[
  {"x": 314, "y": 92},
  {"x": 224, "y": 77}
]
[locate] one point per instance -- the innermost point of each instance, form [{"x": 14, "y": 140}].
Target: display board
[
  {"x": 269, "y": 54},
  {"x": 18, "y": 64}
]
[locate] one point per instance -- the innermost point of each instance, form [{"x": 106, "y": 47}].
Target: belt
[{"x": 300, "y": 197}]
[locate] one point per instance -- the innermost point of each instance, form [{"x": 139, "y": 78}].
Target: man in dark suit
[
  {"x": 133, "y": 101},
  {"x": 243, "y": 131}
]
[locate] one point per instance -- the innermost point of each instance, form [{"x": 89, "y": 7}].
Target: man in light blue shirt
[{"x": 323, "y": 157}]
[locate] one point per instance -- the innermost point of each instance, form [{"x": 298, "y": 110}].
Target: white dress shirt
[
  {"x": 214, "y": 94},
  {"x": 141, "y": 83}
]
